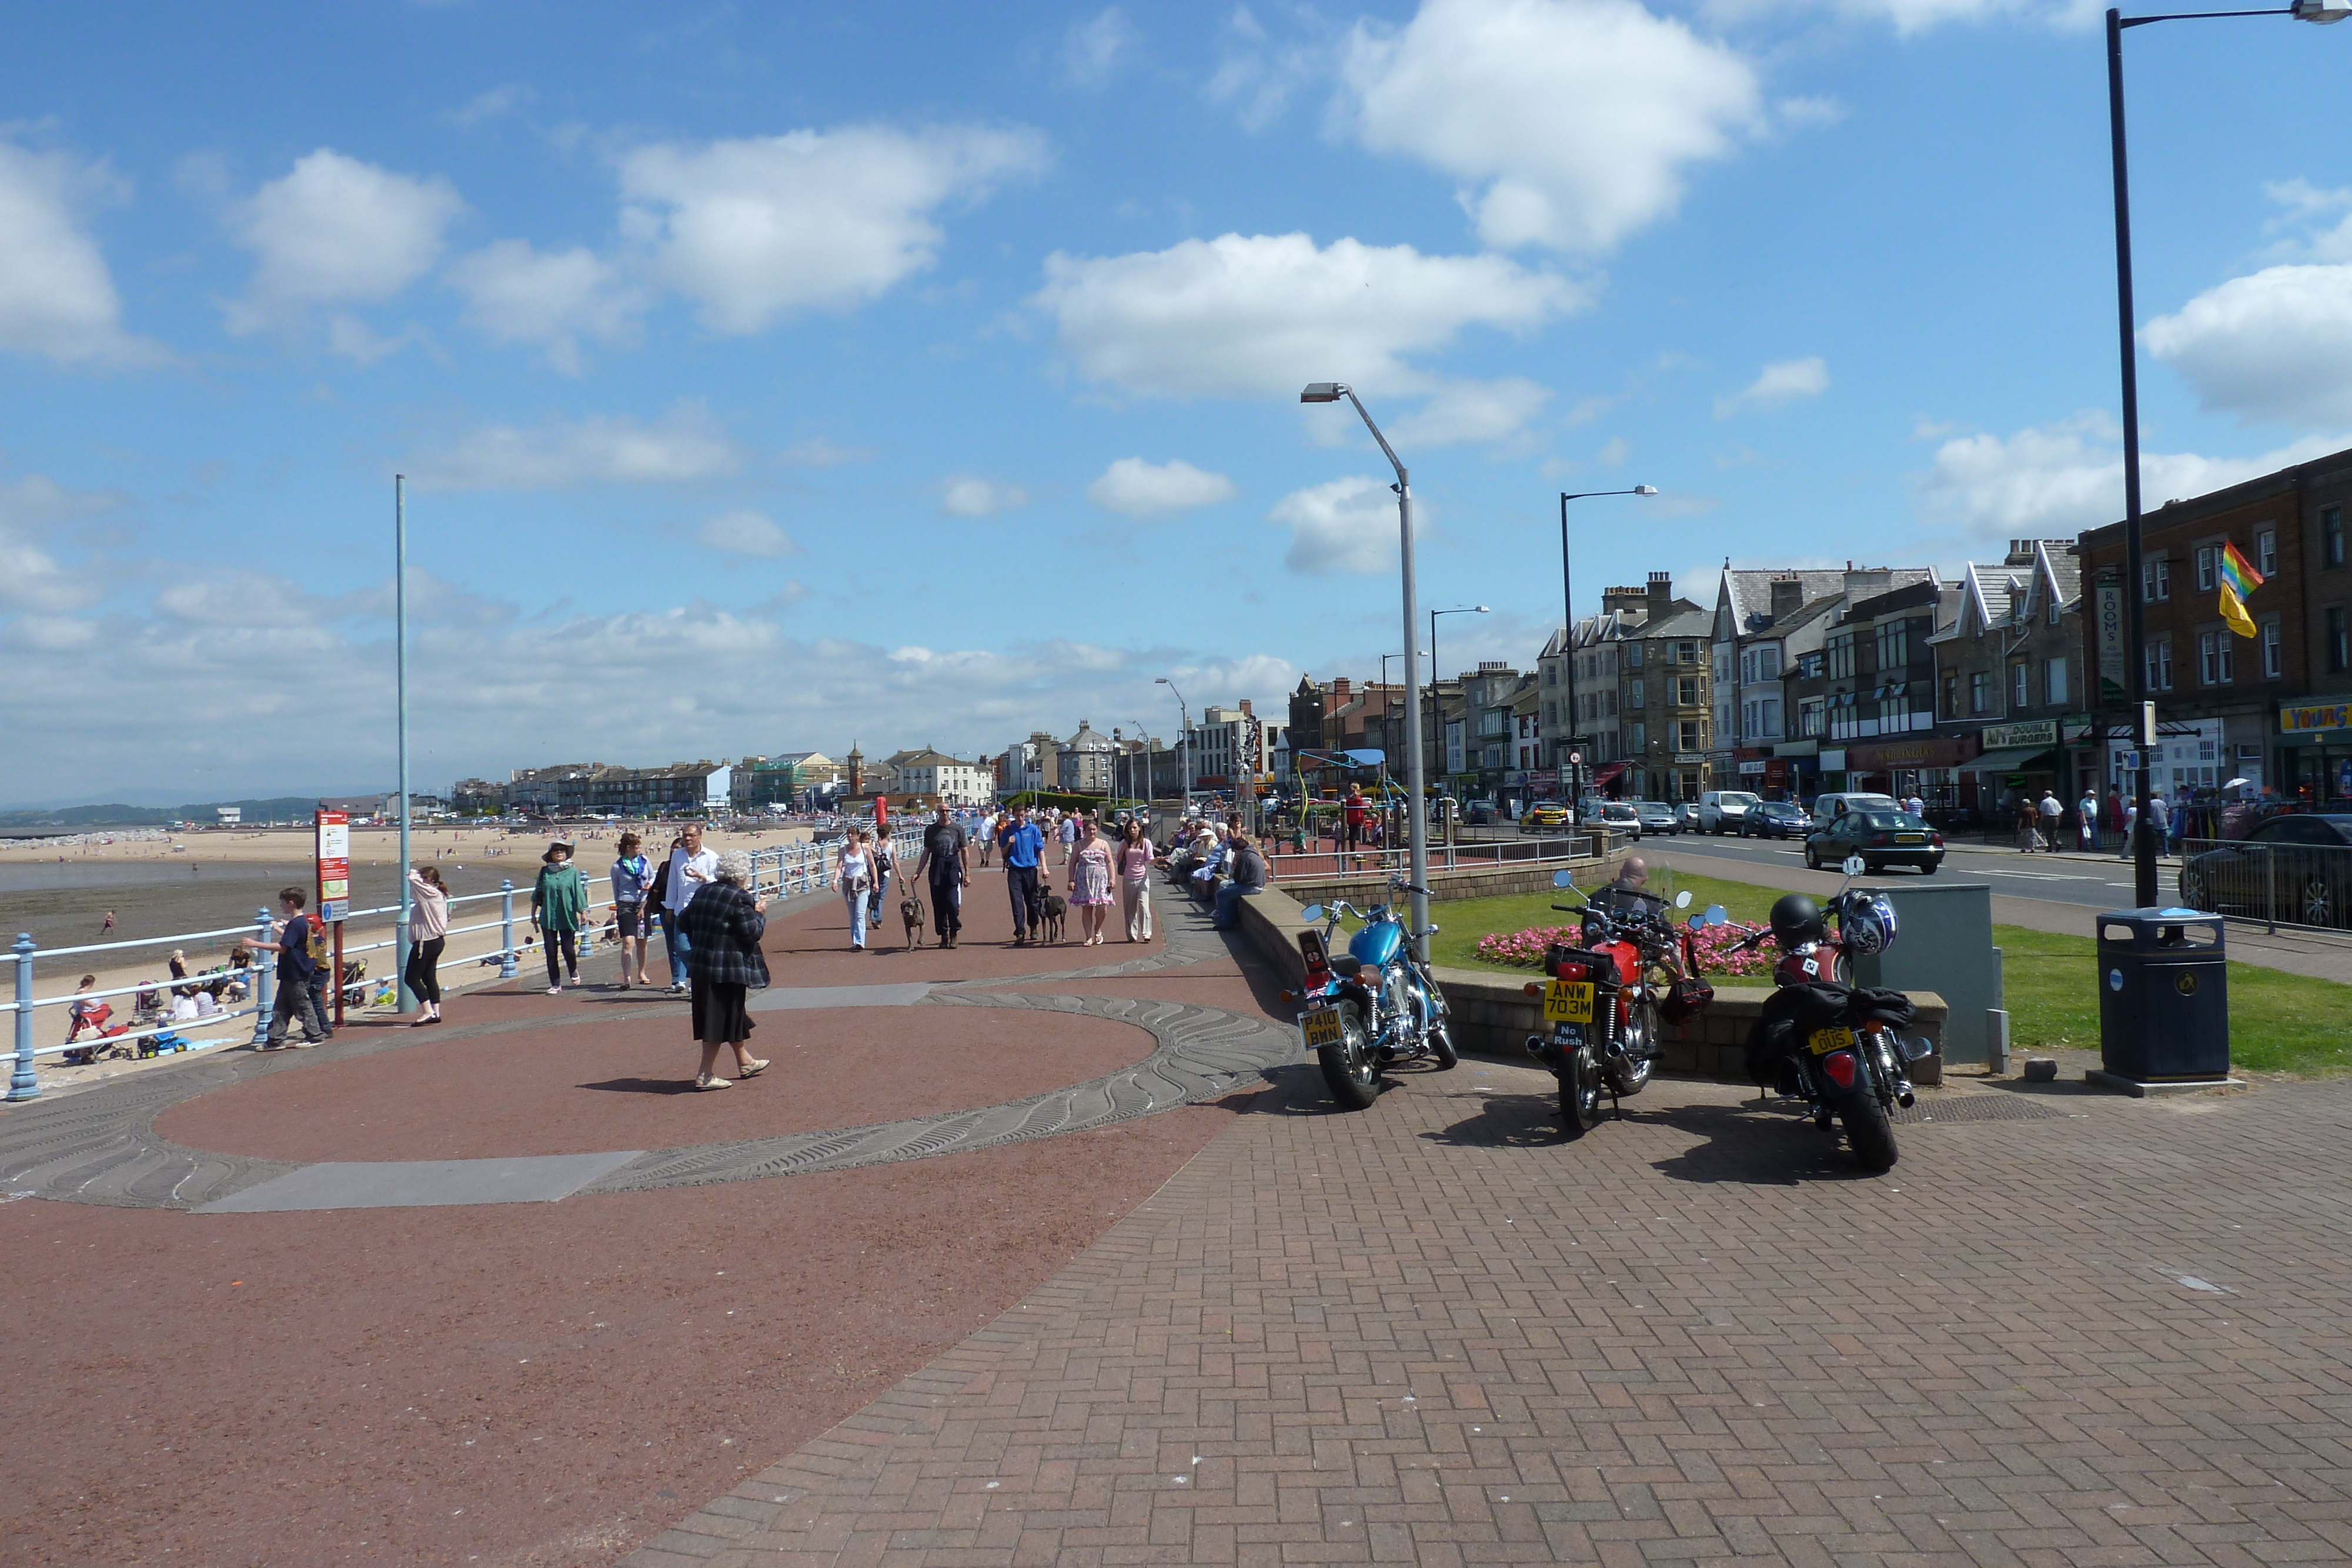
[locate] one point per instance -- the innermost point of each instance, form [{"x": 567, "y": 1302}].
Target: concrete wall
[
  {"x": 1463, "y": 881},
  {"x": 1494, "y": 1015}
]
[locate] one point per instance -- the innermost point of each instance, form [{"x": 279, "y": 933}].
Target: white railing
[{"x": 783, "y": 871}]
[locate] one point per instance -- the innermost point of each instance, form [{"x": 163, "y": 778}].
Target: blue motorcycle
[{"x": 1371, "y": 1007}]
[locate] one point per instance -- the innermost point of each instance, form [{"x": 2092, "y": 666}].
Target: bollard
[
  {"x": 22, "y": 1084},
  {"x": 507, "y": 966},
  {"x": 264, "y": 965}
]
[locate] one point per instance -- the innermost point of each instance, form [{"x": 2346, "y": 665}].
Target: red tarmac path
[{"x": 553, "y": 1382}]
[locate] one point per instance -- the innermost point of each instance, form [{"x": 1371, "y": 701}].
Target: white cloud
[
  {"x": 56, "y": 297},
  {"x": 2275, "y": 345},
  {"x": 1778, "y": 385},
  {"x": 1571, "y": 122},
  {"x": 1909, "y": 17},
  {"x": 686, "y": 444},
  {"x": 515, "y": 293},
  {"x": 2057, "y": 480},
  {"x": 967, "y": 497},
  {"x": 1141, "y": 489},
  {"x": 1346, "y": 525},
  {"x": 496, "y": 103},
  {"x": 335, "y": 230},
  {"x": 1474, "y": 410},
  {"x": 1258, "y": 75},
  {"x": 821, "y": 452},
  {"x": 1261, "y": 315},
  {"x": 1093, "y": 51},
  {"x": 32, "y": 579},
  {"x": 745, "y": 532},
  {"x": 757, "y": 229}
]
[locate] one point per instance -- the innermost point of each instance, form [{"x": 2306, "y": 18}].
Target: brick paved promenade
[{"x": 2066, "y": 1330}]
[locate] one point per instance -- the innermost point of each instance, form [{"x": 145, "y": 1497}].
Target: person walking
[
  {"x": 884, "y": 863},
  {"x": 1066, "y": 829},
  {"x": 944, "y": 859},
  {"x": 2086, "y": 819},
  {"x": 690, "y": 868},
  {"x": 106, "y": 925},
  {"x": 559, "y": 908},
  {"x": 633, "y": 877},
  {"x": 724, "y": 923},
  {"x": 854, "y": 874},
  {"x": 1091, "y": 879},
  {"x": 2029, "y": 820},
  {"x": 2052, "y": 813},
  {"x": 1134, "y": 866},
  {"x": 2159, "y": 819},
  {"x": 294, "y": 967},
  {"x": 2131, "y": 829},
  {"x": 428, "y": 933},
  {"x": 1023, "y": 843},
  {"x": 1352, "y": 812}
]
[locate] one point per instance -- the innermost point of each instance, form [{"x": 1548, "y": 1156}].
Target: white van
[
  {"x": 1719, "y": 810},
  {"x": 1827, "y": 808}
]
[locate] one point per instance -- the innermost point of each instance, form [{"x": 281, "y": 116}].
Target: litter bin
[{"x": 2164, "y": 996}]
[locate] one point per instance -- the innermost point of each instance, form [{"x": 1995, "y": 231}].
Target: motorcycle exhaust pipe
[{"x": 1902, "y": 1095}]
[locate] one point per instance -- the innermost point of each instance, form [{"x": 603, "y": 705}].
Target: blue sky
[{"x": 774, "y": 377}]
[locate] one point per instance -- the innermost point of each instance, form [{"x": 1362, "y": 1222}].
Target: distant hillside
[{"x": 80, "y": 819}]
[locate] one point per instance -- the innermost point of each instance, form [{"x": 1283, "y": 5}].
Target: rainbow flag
[{"x": 2239, "y": 573}]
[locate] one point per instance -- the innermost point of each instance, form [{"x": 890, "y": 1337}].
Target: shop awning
[
  {"x": 2016, "y": 759},
  {"x": 1608, "y": 775}
]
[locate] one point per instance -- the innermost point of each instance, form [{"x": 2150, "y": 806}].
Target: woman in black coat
[{"x": 723, "y": 923}]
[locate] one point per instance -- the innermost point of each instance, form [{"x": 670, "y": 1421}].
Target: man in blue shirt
[
  {"x": 1023, "y": 843},
  {"x": 295, "y": 969}
]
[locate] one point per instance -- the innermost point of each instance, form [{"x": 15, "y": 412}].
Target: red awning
[{"x": 1608, "y": 775}]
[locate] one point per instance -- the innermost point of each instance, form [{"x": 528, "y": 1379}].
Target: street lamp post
[
  {"x": 2144, "y": 843},
  {"x": 1143, "y": 754},
  {"x": 1568, "y": 635},
  {"x": 1418, "y": 826},
  {"x": 1437, "y": 741},
  {"x": 406, "y": 999},
  {"x": 1184, "y": 750}
]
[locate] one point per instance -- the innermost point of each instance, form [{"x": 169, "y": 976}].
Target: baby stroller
[{"x": 94, "y": 1016}]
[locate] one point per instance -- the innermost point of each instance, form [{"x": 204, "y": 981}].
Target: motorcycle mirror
[
  {"x": 1683, "y": 899},
  {"x": 1854, "y": 867},
  {"x": 1563, "y": 878},
  {"x": 1311, "y": 913}
]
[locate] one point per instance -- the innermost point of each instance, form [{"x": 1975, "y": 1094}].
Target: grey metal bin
[{"x": 2163, "y": 996}]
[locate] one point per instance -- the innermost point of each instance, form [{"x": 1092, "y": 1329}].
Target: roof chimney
[
  {"x": 1340, "y": 688},
  {"x": 1787, "y": 596},
  {"x": 1661, "y": 594},
  {"x": 1623, "y": 600},
  {"x": 1245, "y": 702}
]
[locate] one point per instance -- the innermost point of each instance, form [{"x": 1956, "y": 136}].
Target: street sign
[
  {"x": 1575, "y": 759},
  {"x": 333, "y": 829}
]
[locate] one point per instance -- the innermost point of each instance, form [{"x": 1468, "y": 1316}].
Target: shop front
[
  {"x": 1831, "y": 775},
  {"x": 2017, "y": 761},
  {"x": 2315, "y": 752},
  {"x": 1795, "y": 769},
  {"x": 1924, "y": 766}
]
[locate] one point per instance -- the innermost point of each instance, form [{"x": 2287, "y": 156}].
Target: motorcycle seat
[{"x": 1346, "y": 964}]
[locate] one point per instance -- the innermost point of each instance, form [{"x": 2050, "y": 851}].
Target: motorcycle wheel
[
  {"x": 1347, "y": 1066},
  {"x": 1868, "y": 1132},
  {"x": 1580, "y": 1093},
  {"x": 1441, "y": 1046},
  {"x": 1642, "y": 1037}
]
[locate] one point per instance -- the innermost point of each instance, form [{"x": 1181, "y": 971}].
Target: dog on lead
[
  {"x": 910, "y": 910},
  {"x": 1052, "y": 907}
]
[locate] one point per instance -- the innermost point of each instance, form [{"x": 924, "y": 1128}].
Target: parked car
[
  {"x": 1657, "y": 817},
  {"x": 1719, "y": 809},
  {"x": 1686, "y": 815},
  {"x": 2298, "y": 865},
  {"x": 1617, "y": 816},
  {"x": 1548, "y": 816},
  {"x": 1827, "y": 809},
  {"x": 1774, "y": 820},
  {"x": 1881, "y": 838},
  {"x": 1478, "y": 814}
]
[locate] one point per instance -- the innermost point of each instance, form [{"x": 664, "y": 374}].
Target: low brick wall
[
  {"x": 1494, "y": 1015},
  {"x": 1463, "y": 881}
]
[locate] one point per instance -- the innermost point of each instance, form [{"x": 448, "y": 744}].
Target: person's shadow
[{"x": 644, "y": 1086}]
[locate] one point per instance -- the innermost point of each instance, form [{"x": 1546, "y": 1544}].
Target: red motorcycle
[{"x": 1629, "y": 970}]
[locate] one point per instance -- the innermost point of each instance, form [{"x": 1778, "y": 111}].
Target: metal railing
[
  {"x": 784, "y": 870},
  {"x": 2303, "y": 885}
]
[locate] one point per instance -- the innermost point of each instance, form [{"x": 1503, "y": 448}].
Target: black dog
[
  {"x": 910, "y": 910},
  {"x": 1051, "y": 908}
]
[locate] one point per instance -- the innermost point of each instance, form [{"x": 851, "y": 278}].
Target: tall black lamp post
[
  {"x": 2143, "y": 842},
  {"x": 1576, "y": 740}
]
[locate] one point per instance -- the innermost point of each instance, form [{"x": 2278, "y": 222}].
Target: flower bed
[{"x": 1525, "y": 950}]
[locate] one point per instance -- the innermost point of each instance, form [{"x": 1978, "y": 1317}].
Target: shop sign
[
  {"x": 1834, "y": 761},
  {"x": 1751, "y": 769},
  {"x": 2010, "y": 736},
  {"x": 2312, "y": 718},
  {"x": 2113, "y": 666},
  {"x": 1935, "y": 751}
]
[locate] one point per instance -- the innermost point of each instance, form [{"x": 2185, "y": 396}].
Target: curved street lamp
[{"x": 1567, "y": 636}]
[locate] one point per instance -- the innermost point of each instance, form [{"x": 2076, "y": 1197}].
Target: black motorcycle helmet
[{"x": 1796, "y": 920}]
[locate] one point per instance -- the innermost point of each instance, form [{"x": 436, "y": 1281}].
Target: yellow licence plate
[
  {"x": 1321, "y": 1026},
  {"x": 1826, "y": 1040},
  {"x": 1568, "y": 1001},
  {"x": 1910, "y": 838}
]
